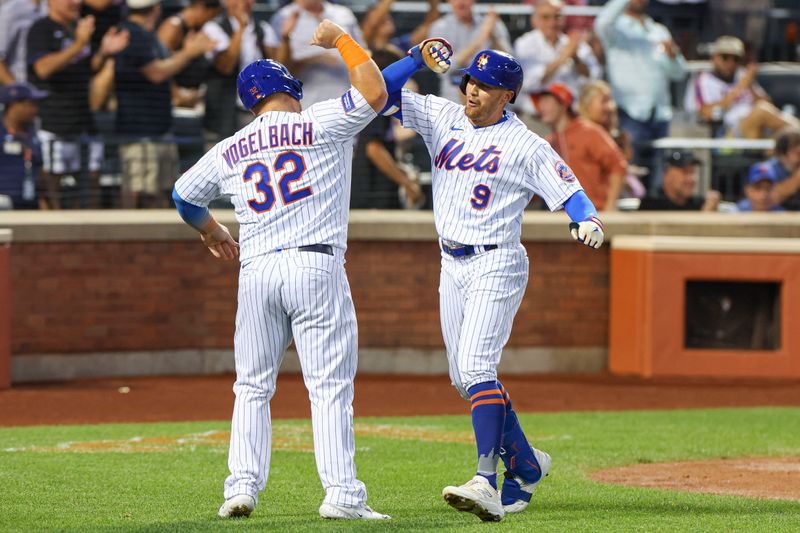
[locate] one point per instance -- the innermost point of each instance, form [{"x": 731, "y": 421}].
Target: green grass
[{"x": 178, "y": 488}]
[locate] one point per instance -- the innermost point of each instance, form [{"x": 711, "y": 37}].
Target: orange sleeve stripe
[
  {"x": 490, "y": 401},
  {"x": 351, "y": 52},
  {"x": 485, "y": 393}
]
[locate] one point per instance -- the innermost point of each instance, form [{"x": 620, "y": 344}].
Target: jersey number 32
[{"x": 293, "y": 166}]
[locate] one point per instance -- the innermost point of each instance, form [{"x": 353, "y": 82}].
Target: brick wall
[{"x": 119, "y": 296}]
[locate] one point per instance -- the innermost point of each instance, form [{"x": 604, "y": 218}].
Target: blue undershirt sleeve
[
  {"x": 579, "y": 207},
  {"x": 396, "y": 75},
  {"x": 194, "y": 215}
]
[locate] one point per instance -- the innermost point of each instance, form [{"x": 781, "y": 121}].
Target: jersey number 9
[
  {"x": 480, "y": 196},
  {"x": 293, "y": 166}
]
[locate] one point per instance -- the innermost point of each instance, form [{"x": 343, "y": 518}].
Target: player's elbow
[{"x": 376, "y": 97}]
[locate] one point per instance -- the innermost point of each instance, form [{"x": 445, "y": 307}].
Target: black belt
[
  {"x": 326, "y": 249},
  {"x": 464, "y": 250}
]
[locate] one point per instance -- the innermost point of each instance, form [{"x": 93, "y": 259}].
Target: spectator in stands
[
  {"x": 379, "y": 30},
  {"x": 586, "y": 147},
  {"x": 16, "y": 17},
  {"x": 323, "y": 73},
  {"x": 597, "y": 105},
  {"x": 240, "y": 41},
  {"x": 759, "y": 190},
  {"x": 785, "y": 166},
  {"x": 376, "y": 186},
  {"x": 548, "y": 55},
  {"x": 641, "y": 60},
  {"x": 21, "y": 155},
  {"x": 172, "y": 32},
  {"x": 61, "y": 62},
  {"x": 729, "y": 94},
  {"x": 107, "y": 14},
  {"x": 469, "y": 33},
  {"x": 677, "y": 191},
  {"x": 143, "y": 73},
  {"x": 687, "y": 19}
]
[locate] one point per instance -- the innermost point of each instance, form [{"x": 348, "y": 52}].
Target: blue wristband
[
  {"x": 194, "y": 215},
  {"x": 579, "y": 207}
]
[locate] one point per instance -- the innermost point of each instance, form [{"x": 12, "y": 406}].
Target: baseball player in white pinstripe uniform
[
  {"x": 288, "y": 176},
  {"x": 486, "y": 168}
]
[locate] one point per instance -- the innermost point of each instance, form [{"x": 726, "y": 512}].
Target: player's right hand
[
  {"x": 588, "y": 232},
  {"x": 326, "y": 34},
  {"x": 220, "y": 243},
  {"x": 435, "y": 53}
]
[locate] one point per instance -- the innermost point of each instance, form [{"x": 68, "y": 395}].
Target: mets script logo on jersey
[
  {"x": 450, "y": 157},
  {"x": 564, "y": 172}
]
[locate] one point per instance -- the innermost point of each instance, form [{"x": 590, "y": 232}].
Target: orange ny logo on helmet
[{"x": 482, "y": 61}]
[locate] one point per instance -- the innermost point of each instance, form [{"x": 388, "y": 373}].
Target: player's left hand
[
  {"x": 220, "y": 243},
  {"x": 435, "y": 53},
  {"x": 588, "y": 232}
]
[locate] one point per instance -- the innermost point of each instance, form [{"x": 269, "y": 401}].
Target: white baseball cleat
[
  {"x": 518, "y": 484},
  {"x": 476, "y": 496},
  {"x": 238, "y": 506},
  {"x": 337, "y": 512}
]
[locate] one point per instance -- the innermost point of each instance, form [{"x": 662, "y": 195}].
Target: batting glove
[
  {"x": 588, "y": 232},
  {"x": 435, "y": 53}
]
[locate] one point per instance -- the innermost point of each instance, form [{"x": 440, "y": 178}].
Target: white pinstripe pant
[
  {"x": 305, "y": 295},
  {"x": 479, "y": 296}
]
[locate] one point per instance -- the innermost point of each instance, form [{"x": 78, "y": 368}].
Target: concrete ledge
[
  {"x": 6, "y": 236},
  {"x": 365, "y": 225},
  {"x": 707, "y": 244},
  {"x": 58, "y": 367}
]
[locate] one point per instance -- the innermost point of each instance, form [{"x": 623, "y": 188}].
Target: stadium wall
[{"x": 122, "y": 293}]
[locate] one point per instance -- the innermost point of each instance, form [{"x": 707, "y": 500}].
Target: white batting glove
[
  {"x": 588, "y": 232},
  {"x": 435, "y": 53}
]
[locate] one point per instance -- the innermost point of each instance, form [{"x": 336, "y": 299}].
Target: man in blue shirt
[
  {"x": 20, "y": 155},
  {"x": 786, "y": 167},
  {"x": 641, "y": 60}
]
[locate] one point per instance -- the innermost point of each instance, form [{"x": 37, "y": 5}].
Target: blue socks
[
  {"x": 488, "y": 419},
  {"x": 516, "y": 452}
]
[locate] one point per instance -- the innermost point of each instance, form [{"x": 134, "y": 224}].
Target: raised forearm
[
  {"x": 161, "y": 70},
  {"x": 226, "y": 61},
  {"x": 47, "y": 65},
  {"x": 787, "y": 188},
  {"x": 614, "y": 188}
]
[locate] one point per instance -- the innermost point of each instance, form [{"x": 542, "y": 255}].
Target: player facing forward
[
  {"x": 486, "y": 168},
  {"x": 288, "y": 176}
]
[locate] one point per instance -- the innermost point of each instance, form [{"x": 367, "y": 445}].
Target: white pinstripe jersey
[
  {"x": 287, "y": 174},
  {"x": 483, "y": 178}
]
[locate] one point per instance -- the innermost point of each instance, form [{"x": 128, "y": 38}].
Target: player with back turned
[
  {"x": 486, "y": 168},
  {"x": 288, "y": 176}
]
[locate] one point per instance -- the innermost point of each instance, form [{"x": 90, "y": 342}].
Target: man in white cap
[
  {"x": 142, "y": 72},
  {"x": 729, "y": 94}
]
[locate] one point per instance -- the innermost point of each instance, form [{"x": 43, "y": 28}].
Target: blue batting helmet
[
  {"x": 494, "y": 68},
  {"x": 264, "y": 77}
]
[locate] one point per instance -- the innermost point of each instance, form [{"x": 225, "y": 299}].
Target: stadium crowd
[{"x": 106, "y": 87}]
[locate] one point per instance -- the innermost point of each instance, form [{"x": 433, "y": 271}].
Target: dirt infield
[
  {"x": 773, "y": 478},
  {"x": 210, "y": 397}
]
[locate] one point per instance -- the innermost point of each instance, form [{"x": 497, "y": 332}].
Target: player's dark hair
[{"x": 787, "y": 139}]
